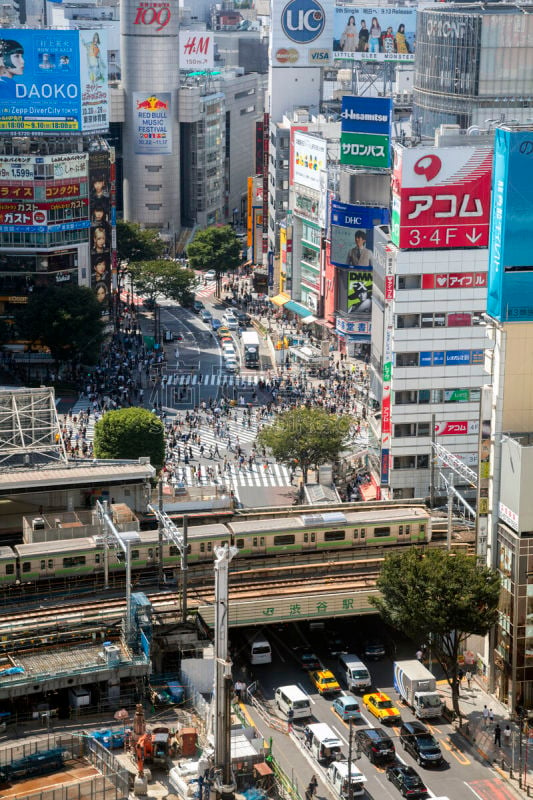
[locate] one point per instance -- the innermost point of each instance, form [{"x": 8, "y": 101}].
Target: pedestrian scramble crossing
[
  {"x": 206, "y": 291},
  {"x": 215, "y": 379},
  {"x": 233, "y": 478}
]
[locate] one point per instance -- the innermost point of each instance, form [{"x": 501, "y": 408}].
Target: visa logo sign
[{"x": 320, "y": 55}]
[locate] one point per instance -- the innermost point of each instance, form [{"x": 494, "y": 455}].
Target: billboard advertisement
[
  {"x": 374, "y": 34},
  {"x": 196, "y": 50},
  {"x": 365, "y": 150},
  {"x": 53, "y": 81},
  {"x": 352, "y": 233},
  {"x": 441, "y": 196},
  {"x": 301, "y": 33},
  {"x": 309, "y": 158},
  {"x": 100, "y": 236},
  {"x": 152, "y": 120},
  {"x": 366, "y": 115},
  {"x": 510, "y": 276}
]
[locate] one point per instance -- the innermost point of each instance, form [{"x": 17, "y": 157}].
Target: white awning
[{"x": 308, "y": 320}]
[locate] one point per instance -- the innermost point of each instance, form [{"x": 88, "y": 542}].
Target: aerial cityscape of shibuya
[{"x": 266, "y": 399}]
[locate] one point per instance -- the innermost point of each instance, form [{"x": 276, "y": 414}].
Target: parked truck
[
  {"x": 418, "y": 688},
  {"x": 250, "y": 346}
]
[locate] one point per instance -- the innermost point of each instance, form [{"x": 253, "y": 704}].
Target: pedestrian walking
[
  {"x": 507, "y": 736},
  {"x": 498, "y": 735},
  {"x": 290, "y": 719},
  {"x": 491, "y": 716},
  {"x": 485, "y": 715},
  {"x": 311, "y": 788},
  {"x": 469, "y": 679}
]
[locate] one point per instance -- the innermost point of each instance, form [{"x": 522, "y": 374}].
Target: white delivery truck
[
  {"x": 418, "y": 688},
  {"x": 250, "y": 346},
  {"x": 337, "y": 775}
]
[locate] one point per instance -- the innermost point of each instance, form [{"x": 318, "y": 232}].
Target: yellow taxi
[
  {"x": 324, "y": 681},
  {"x": 223, "y": 331},
  {"x": 382, "y": 707}
]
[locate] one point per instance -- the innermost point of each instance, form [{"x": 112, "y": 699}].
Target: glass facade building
[{"x": 472, "y": 64}]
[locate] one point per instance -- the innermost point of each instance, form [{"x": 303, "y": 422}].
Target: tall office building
[
  {"x": 505, "y": 510},
  {"x": 150, "y": 81},
  {"x": 473, "y": 63},
  {"x": 430, "y": 285}
]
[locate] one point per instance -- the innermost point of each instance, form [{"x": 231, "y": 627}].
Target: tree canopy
[
  {"x": 164, "y": 277},
  {"x": 66, "y": 319},
  {"x": 306, "y": 437},
  {"x": 130, "y": 433},
  {"x": 439, "y": 597},
  {"x": 137, "y": 244},
  {"x": 215, "y": 248}
]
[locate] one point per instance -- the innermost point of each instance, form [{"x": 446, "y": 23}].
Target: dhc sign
[{"x": 303, "y": 21}]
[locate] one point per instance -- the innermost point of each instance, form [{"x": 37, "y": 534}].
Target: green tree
[
  {"x": 66, "y": 319},
  {"x": 215, "y": 248},
  {"x": 306, "y": 437},
  {"x": 164, "y": 277},
  {"x": 130, "y": 433},
  {"x": 138, "y": 244},
  {"x": 439, "y": 597}
]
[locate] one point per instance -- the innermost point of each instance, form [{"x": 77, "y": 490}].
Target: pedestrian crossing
[
  {"x": 206, "y": 291},
  {"x": 275, "y": 475},
  {"x": 215, "y": 379},
  {"x": 81, "y": 406}
]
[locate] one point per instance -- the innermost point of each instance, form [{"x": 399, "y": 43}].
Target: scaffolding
[{"x": 30, "y": 433}]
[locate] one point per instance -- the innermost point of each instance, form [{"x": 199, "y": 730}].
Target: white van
[
  {"x": 323, "y": 743},
  {"x": 337, "y": 775},
  {"x": 355, "y": 672},
  {"x": 260, "y": 651},
  {"x": 292, "y": 697},
  {"x": 230, "y": 321}
]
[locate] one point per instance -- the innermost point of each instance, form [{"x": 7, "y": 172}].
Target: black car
[
  {"x": 197, "y": 306},
  {"x": 244, "y": 319},
  {"x": 374, "y": 649},
  {"x": 407, "y": 780},
  {"x": 419, "y": 742},
  {"x": 308, "y": 660},
  {"x": 376, "y": 745},
  {"x": 336, "y": 644}
]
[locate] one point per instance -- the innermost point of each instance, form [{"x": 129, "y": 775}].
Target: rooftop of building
[{"x": 72, "y": 473}]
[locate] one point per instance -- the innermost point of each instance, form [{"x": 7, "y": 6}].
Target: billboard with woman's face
[{"x": 384, "y": 33}]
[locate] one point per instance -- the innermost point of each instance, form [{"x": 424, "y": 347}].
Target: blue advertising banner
[
  {"x": 53, "y": 81},
  {"x": 366, "y": 115},
  {"x": 152, "y": 120},
  {"x": 270, "y": 269},
  {"x": 352, "y": 233},
  {"x": 510, "y": 274}
]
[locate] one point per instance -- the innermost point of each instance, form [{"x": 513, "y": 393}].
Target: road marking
[
  {"x": 473, "y": 791},
  {"x": 454, "y": 751},
  {"x": 299, "y": 685}
]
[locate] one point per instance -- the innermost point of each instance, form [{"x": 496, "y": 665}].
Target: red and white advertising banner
[
  {"x": 454, "y": 280},
  {"x": 461, "y": 428},
  {"x": 441, "y": 197}
]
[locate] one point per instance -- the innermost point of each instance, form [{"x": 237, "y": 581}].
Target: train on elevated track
[{"x": 356, "y": 529}]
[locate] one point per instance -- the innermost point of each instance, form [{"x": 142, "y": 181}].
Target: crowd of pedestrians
[{"x": 204, "y": 442}]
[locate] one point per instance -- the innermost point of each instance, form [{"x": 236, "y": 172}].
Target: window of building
[
  {"x": 407, "y": 359},
  {"x": 422, "y": 462},
  {"x": 245, "y": 93},
  {"x": 404, "y": 429},
  {"x": 404, "y": 462},
  {"x": 408, "y": 320},
  {"x": 423, "y": 396},
  {"x": 408, "y": 282},
  {"x": 405, "y": 398},
  {"x": 424, "y": 429}
]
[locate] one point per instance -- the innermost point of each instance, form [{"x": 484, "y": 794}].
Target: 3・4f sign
[{"x": 441, "y": 197}]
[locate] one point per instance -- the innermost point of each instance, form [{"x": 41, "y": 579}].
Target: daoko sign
[
  {"x": 441, "y": 197},
  {"x": 153, "y": 15}
]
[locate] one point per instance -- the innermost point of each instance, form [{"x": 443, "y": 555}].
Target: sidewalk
[{"x": 479, "y": 733}]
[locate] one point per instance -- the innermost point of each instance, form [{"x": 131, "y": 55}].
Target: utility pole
[
  {"x": 432, "y": 465},
  {"x": 350, "y": 743},
  {"x": 224, "y": 780}
]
